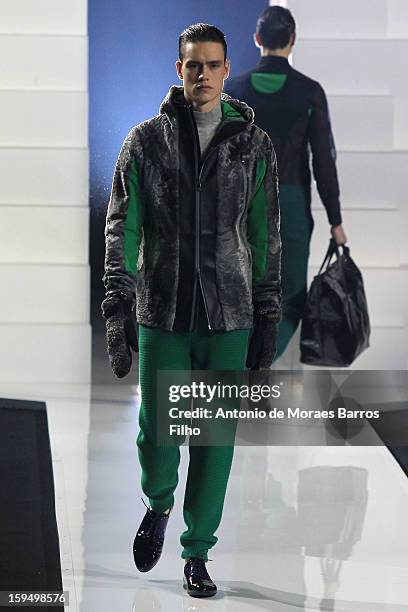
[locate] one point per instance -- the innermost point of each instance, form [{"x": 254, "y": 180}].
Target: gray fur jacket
[{"x": 179, "y": 225}]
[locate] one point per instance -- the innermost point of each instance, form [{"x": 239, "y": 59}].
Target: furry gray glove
[
  {"x": 121, "y": 334},
  {"x": 262, "y": 343}
]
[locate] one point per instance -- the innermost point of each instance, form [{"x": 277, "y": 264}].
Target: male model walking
[
  {"x": 192, "y": 238},
  {"x": 293, "y": 110}
]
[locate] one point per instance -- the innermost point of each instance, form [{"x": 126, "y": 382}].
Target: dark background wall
[{"x": 133, "y": 46}]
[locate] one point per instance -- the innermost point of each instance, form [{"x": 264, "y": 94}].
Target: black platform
[{"x": 29, "y": 546}]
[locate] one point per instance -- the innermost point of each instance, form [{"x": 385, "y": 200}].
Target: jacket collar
[
  {"x": 175, "y": 99},
  {"x": 273, "y": 63}
]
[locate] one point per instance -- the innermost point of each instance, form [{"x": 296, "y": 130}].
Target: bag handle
[
  {"x": 333, "y": 248},
  {"x": 329, "y": 254}
]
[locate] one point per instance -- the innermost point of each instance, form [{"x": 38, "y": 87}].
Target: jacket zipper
[
  {"x": 197, "y": 271},
  {"x": 198, "y": 186}
]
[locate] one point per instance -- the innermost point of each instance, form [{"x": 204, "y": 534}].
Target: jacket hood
[{"x": 175, "y": 97}]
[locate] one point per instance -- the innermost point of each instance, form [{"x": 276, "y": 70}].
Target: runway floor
[{"x": 304, "y": 528}]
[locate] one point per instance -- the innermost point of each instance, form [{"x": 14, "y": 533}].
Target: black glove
[
  {"x": 121, "y": 334},
  {"x": 262, "y": 343}
]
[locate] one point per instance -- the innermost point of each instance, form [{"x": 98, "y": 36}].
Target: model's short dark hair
[
  {"x": 275, "y": 26},
  {"x": 201, "y": 32}
]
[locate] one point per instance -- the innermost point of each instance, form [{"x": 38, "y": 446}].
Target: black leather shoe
[
  {"x": 196, "y": 580},
  {"x": 149, "y": 540}
]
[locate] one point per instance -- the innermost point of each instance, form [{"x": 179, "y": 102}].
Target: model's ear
[
  {"x": 227, "y": 69},
  {"x": 179, "y": 69},
  {"x": 257, "y": 40},
  {"x": 293, "y": 39}
]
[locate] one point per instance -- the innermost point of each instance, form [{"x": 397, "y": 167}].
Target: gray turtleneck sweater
[{"x": 207, "y": 124}]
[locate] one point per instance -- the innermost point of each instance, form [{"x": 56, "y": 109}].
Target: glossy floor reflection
[{"x": 304, "y": 528}]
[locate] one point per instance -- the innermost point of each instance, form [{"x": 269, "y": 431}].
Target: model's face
[{"x": 203, "y": 71}]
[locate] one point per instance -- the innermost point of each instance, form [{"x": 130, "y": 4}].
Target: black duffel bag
[{"x": 335, "y": 326}]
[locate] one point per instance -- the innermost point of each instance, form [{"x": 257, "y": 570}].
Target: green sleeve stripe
[
  {"x": 134, "y": 221},
  {"x": 257, "y": 226}
]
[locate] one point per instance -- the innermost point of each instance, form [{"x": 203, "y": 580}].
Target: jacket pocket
[
  {"x": 245, "y": 189},
  {"x": 144, "y": 250}
]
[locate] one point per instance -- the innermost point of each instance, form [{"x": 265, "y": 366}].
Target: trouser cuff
[
  {"x": 189, "y": 553},
  {"x": 162, "y": 504}
]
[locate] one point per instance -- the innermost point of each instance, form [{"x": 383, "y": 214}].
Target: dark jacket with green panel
[
  {"x": 292, "y": 109},
  {"x": 178, "y": 225}
]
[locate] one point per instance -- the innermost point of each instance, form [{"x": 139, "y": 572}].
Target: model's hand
[
  {"x": 121, "y": 335},
  {"x": 262, "y": 343},
  {"x": 338, "y": 234}
]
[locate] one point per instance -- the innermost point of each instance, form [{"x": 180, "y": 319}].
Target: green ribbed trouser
[
  {"x": 209, "y": 466},
  {"x": 296, "y": 231}
]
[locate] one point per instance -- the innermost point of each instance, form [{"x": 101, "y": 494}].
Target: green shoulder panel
[{"x": 268, "y": 82}]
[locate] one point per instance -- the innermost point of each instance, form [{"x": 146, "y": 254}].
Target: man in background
[{"x": 292, "y": 109}]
